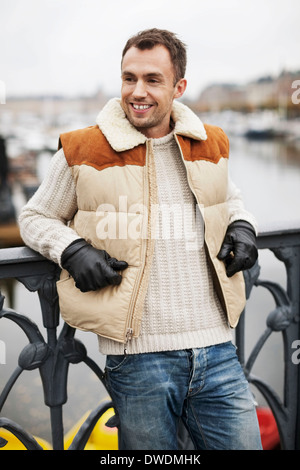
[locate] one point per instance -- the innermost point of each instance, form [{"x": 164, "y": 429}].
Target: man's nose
[{"x": 140, "y": 90}]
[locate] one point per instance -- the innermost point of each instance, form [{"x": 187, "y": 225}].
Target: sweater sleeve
[
  {"x": 236, "y": 207},
  {"x": 44, "y": 219}
]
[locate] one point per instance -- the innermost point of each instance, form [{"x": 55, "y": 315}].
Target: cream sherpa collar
[{"x": 123, "y": 136}]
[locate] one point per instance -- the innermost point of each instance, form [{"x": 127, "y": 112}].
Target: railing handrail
[
  {"x": 24, "y": 254},
  {"x": 19, "y": 254}
]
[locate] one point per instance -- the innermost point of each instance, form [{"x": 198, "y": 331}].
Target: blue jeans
[{"x": 205, "y": 387}]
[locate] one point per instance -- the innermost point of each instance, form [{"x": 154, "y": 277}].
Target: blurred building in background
[{"x": 265, "y": 93}]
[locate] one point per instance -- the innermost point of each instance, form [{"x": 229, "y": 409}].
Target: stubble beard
[{"x": 144, "y": 124}]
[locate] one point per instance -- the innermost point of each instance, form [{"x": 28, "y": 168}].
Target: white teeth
[{"x": 142, "y": 106}]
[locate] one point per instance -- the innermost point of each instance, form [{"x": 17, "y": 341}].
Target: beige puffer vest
[{"x": 116, "y": 191}]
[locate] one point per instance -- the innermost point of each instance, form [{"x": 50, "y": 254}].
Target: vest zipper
[{"x": 144, "y": 248}]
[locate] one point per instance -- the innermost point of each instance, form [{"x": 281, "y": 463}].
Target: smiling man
[{"x": 162, "y": 307}]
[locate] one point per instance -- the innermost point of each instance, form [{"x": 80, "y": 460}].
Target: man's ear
[{"x": 180, "y": 88}]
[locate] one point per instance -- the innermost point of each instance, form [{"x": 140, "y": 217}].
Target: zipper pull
[{"x": 129, "y": 335}]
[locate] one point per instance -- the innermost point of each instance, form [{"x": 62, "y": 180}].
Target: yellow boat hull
[{"x": 101, "y": 438}]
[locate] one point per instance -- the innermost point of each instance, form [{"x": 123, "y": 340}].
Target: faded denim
[{"x": 206, "y": 387}]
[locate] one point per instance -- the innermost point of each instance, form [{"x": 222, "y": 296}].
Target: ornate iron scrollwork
[{"x": 51, "y": 357}]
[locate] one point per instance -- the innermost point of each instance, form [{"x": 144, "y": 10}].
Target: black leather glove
[
  {"x": 91, "y": 269},
  {"x": 238, "y": 250}
]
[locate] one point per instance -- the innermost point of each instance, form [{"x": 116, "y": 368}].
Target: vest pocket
[{"x": 104, "y": 312}]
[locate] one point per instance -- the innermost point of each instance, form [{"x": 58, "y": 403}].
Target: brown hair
[{"x": 149, "y": 38}]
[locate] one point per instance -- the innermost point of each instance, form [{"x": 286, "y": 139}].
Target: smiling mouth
[{"x": 141, "y": 107}]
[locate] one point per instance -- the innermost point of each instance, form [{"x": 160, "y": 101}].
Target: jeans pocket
[{"x": 115, "y": 362}]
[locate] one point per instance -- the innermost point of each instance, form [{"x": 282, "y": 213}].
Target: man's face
[{"x": 148, "y": 89}]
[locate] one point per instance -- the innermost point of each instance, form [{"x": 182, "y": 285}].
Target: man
[{"x": 160, "y": 294}]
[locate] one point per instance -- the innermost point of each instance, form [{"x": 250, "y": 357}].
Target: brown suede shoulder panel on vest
[
  {"x": 89, "y": 146},
  {"x": 212, "y": 149}
]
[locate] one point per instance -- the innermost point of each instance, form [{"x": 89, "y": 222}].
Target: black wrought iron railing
[
  {"x": 283, "y": 319},
  {"x": 53, "y": 355}
]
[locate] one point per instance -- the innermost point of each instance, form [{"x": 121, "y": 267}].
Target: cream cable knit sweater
[{"x": 181, "y": 307}]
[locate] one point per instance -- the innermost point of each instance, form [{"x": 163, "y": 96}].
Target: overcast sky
[{"x": 74, "y": 46}]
